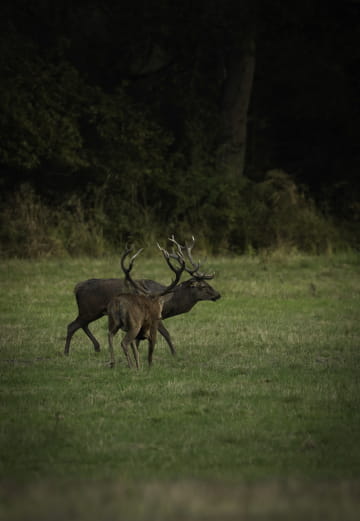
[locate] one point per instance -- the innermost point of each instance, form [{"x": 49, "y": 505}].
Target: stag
[
  {"x": 139, "y": 315},
  {"x": 93, "y": 296}
]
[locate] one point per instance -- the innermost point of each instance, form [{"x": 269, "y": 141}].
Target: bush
[
  {"x": 276, "y": 214},
  {"x": 250, "y": 217},
  {"x": 30, "y": 228}
]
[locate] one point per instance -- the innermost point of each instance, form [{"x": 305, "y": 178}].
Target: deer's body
[
  {"x": 139, "y": 316},
  {"x": 94, "y": 295}
]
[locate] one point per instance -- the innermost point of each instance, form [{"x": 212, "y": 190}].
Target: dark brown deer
[
  {"x": 139, "y": 315},
  {"x": 93, "y": 296}
]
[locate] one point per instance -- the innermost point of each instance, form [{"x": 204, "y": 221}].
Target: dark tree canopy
[{"x": 182, "y": 114}]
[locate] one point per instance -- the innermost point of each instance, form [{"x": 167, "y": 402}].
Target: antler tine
[
  {"x": 178, "y": 271},
  {"x": 134, "y": 257},
  {"x": 177, "y": 256},
  {"x": 194, "y": 271},
  {"x": 126, "y": 253},
  {"x": 126, "y": 270},
  {"x": 195, "y": 265},
  {"x": 179, "y": 248},
  {"x": 189, "y": 248}
]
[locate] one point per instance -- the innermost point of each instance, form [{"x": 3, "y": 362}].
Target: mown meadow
[{"x": 257, "y": 417}]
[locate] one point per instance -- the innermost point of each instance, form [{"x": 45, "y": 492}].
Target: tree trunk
[{"x": 238, "y": 82}]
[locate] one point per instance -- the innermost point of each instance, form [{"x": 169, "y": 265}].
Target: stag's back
[{"x": 93, "y": 295}]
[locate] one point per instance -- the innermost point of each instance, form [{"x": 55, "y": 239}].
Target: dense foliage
[{"x": 114, "y": 116}]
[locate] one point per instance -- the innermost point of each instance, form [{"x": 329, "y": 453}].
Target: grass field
[{"x": 258, "y": 416}]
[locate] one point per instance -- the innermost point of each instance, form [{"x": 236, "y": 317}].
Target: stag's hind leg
[
  {"x": 129, "y": 338},
  {"x": 135, "y": 350},
  {"x": 152, "y": 342},
  {"x": 92, "y": 338},
  {"x": 113, "y": 329},
  {"x": 73, "y": 327},
  {"x": 111, "y": 347}
]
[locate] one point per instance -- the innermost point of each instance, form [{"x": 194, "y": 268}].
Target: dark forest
[{"x": 235, "y": 121}]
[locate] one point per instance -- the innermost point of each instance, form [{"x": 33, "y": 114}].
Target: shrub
[
  {"x": 30, "y": 228},
  {"x": 274, "y": 214}
]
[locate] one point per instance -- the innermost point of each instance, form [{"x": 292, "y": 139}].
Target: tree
[{"x": 237, "y": 90}]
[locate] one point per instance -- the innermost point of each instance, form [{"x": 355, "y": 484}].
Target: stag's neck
[{"x": 177, "y": 302}]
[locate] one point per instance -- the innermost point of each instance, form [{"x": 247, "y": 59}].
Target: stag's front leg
[{"x": 165, "y": 333}]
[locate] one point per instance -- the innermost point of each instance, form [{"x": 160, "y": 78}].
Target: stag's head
[
  {"x": 180, "y": 259},
  {"x": 201, "y": 290},
  {"x": 197, "y": 284}
]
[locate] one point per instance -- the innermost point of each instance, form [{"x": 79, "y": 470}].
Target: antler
[
  {"x": 194, "y": 270},
  {"x": 128, "y": 270},
  {"x": 178, "y": 271}
]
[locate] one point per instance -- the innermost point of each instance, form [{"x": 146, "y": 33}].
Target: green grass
[{"x": 261, "y": 401}]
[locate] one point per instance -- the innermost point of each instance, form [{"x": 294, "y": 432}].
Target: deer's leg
[
  {"x": 92, "y": 338},
  {"x": 165, "y": 333},
  {"x": 152, "y": 342},
  {"x": 111, "y": 348},
  {"x": 113, "y": 329},
  {"x": 150, "y": 351},
  {"x": 128, "y": 339},
  {"x": 73, "y": 327},
  {"x": 134, "y": 347}
]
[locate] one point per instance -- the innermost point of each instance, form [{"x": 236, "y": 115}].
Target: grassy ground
[{"x": 256, "y": 418}]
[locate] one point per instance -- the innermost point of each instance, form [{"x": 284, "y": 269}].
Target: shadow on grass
[{"x": 180, "y": 500}]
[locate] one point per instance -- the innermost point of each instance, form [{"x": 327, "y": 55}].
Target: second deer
[{"x": 139, "y": 315}]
